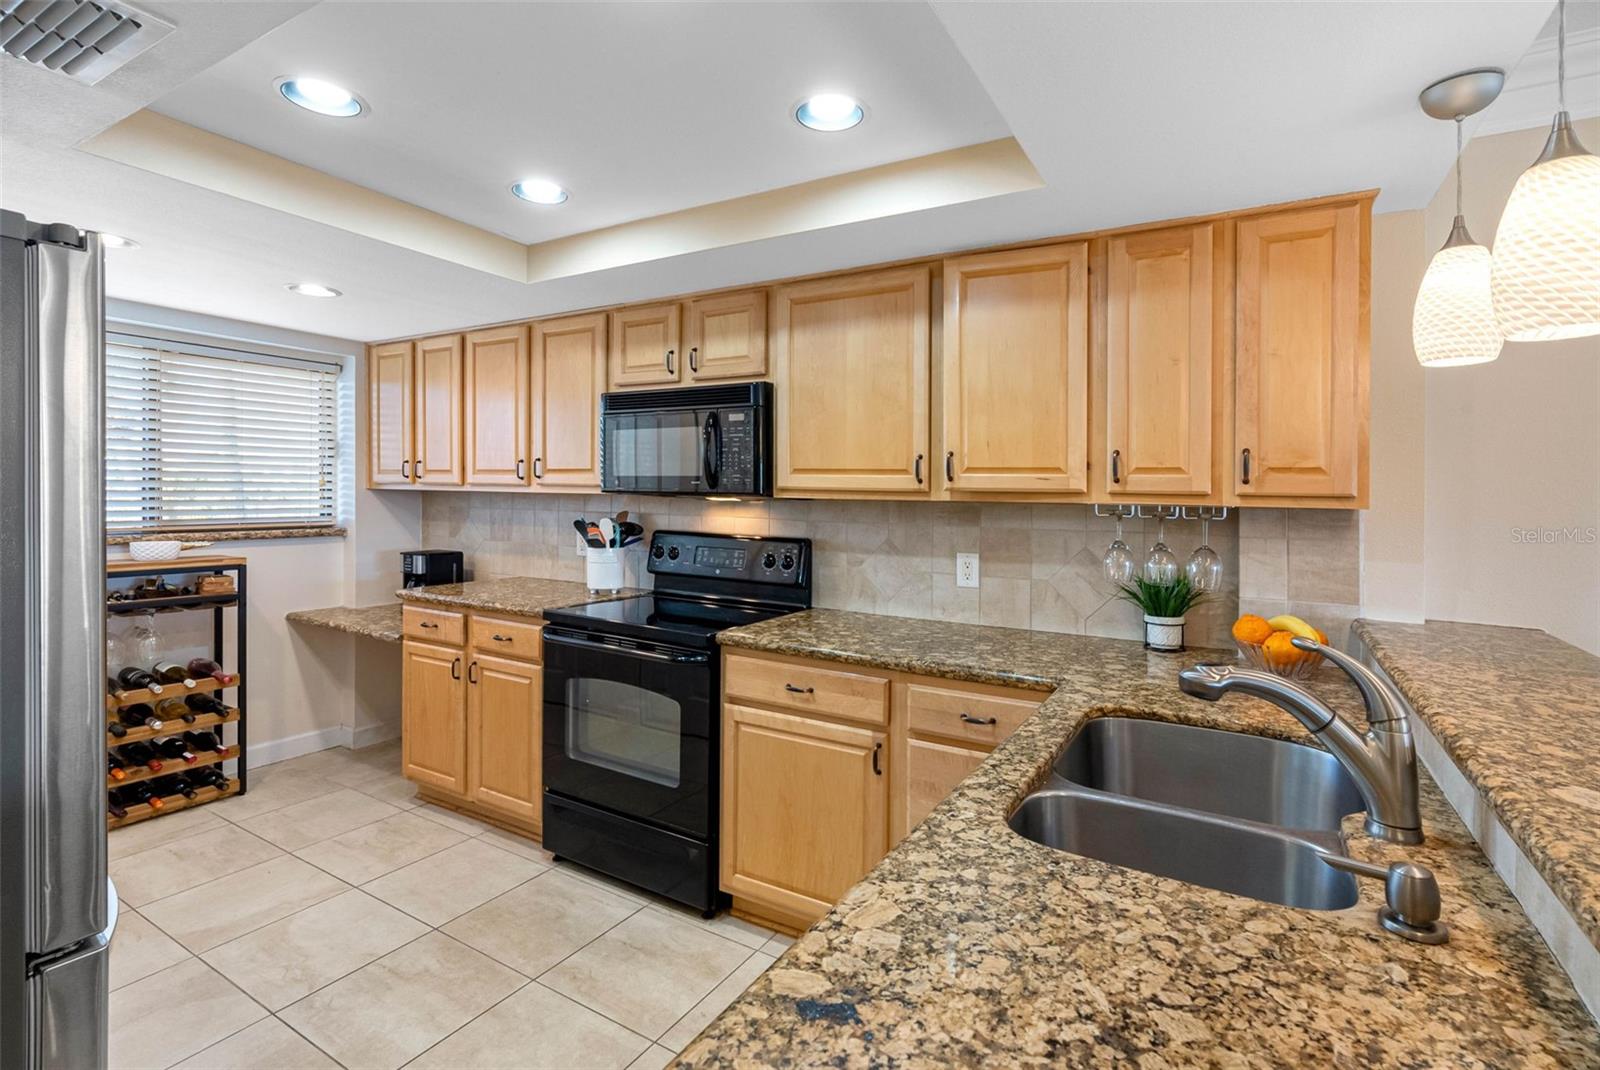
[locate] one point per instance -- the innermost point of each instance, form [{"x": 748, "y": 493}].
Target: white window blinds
[{"x": 212, "y": 438}]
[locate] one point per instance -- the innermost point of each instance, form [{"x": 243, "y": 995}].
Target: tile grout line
[
  {"x": 229, "y": 982},
  {"x": 702, "y": 999}
]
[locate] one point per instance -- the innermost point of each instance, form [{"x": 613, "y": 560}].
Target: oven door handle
[{"x": 566, "y": 639}]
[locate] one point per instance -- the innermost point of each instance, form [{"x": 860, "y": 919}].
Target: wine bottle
[
  {"x": 169, "y": 672},
  {"x": 208, "y": 776},
  {"x": 117, "y": 728},
  {"x": 139, "y": 715},
  {"x": 171, "y": 709},
  {"x": 139, "y": 792},
  {"x": 173, "y": 784},
  {"x": 173, "y": 747},
  {"x": 203, "y": 741},
  {"x": 141, "y": 754},
  {"x": 114, "y": 805},
  {"x": 116, "y": 768},
  {"x": 133, "y": 678},
  {"x": 199, "y": 667},
  {"x": 206, "y": 704}
]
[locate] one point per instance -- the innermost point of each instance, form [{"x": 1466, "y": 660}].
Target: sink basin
[
  {"x": 1274, "y": 865},
  {"x": 1249, "y": 777}
]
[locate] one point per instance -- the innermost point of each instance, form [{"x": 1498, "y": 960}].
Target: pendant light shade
[
  {"x": 1453, "y": 320},
  {"x": 1546, "y": 274}
]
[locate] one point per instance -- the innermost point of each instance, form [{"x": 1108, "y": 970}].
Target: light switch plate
[{"x": 966, "y": 570}]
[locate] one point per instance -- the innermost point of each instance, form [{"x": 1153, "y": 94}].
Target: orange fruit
[
  {"x": 1251, "y": 629},
  {"x": 1280, "y": 650},
  {"x": 1322, "y": 637}
]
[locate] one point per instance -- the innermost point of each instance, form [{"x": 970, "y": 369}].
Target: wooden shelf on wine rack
[
  {"x": 173, "y": 765},
  {"x": 171, "y": 803},
  {"x": 118, "y": 699},
  {"x": 201, "y": 720}
]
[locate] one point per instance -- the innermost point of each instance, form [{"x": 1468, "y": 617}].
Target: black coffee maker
[{"x": 424, "y": 568}]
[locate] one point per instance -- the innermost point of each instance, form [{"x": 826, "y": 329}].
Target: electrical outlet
[
  {"x": 966, "y": 570},
  {"x": 583, "y": 547}
]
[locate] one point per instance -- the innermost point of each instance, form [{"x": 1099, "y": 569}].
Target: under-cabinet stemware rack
[{"x": 1162, "y": 512}]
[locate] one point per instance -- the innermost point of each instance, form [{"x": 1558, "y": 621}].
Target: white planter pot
[{"x": 1163, "y": 633}]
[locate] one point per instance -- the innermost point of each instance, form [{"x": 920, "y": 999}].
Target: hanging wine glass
[
  {"x": 1118, "y": 562},
  {"x": 1204, "y": 567},
  {"x": 1161, "y": 566}
]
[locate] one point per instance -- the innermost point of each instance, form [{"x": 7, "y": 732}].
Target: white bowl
[{"x": 155, "y": 549}]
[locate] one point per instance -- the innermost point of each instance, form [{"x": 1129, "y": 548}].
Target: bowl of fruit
[{"x": 1269, "y": 644}]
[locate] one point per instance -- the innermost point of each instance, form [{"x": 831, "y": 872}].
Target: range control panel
[{"x": 731, "y": 557}]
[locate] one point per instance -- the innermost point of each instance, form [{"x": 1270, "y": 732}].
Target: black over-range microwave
[{"x": 694, "y": 440}]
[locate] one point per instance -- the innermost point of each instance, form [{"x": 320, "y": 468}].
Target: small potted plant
[{"x": 1165, "y": 606}]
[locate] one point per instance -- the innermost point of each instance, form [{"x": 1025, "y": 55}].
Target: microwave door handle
[{"x": 711, "y": 445}]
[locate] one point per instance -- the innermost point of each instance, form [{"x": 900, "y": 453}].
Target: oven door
[{"x": 630, "y": 728}]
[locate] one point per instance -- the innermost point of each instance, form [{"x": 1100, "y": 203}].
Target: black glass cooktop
[{"x": 662, "y": 619}]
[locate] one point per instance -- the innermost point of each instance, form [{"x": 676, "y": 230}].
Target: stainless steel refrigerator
[{"x": 57, "y": 908}]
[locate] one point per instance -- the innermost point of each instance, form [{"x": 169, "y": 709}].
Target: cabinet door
[
  {"x": 644, "y": 345},
  {"x": 804, "y": 808},
  {"x": 389, "y": 413},
  {"x": 1160, "y": 359},
  {"x": 850, "y": 363},
  {"x": 1016, "y": 371},
  {"x": 433, "y": 721},
  {"x": 438, "y": 409},
  {"x": 727, "y": 336},
  {"x": 1301, "y": 401},
  {"x": 504, "y": 705},
  {"x": 569, "y": 375},
  {"x": 497, "y": 401},
  {"x": 932, "y": 771}
]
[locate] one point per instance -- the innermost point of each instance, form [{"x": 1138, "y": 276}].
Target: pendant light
[
  {"x": 1453, "y": 321},
  {"x": 1546, "y": 270}
]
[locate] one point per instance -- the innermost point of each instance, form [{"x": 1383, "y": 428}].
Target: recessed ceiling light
[
  {"x": 829, "y": 112},
  {"x": 539, "y": 191},
  {"x": 117, "y": 241},
  {"x": 322, "y": 97},
  {"x": 313, "y": 289}
]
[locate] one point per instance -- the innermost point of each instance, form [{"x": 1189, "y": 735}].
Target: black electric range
[{"x": 632, "y": 710}]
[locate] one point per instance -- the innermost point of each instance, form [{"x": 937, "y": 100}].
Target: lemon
[{"x": 1288, "y": 622}]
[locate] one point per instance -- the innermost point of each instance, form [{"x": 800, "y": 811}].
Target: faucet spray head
[{"x": 1205, "y": 681}]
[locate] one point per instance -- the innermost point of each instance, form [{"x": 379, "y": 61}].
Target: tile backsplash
[{"x": 1039, "y": 565}]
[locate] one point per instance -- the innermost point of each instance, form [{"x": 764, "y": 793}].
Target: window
[{"x": 201, "y": 437}]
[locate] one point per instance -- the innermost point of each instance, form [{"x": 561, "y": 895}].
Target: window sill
[{"x": 230, "y": 535}]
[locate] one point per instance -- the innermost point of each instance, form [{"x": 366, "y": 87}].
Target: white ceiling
[
  {"x": 637, "y": 109},
  {"x": 1129, "y": 111}
]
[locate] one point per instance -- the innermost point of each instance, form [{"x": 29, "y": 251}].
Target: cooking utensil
[
  {"x": 622, "y": 518},
  {"x": 628, "y": 529},
  {"x": 608, "y": 531}
]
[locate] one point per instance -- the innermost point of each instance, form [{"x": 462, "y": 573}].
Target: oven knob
[
  {"x": 658, "y": 551},
  {"x": 770, "y": 561},
  {"x": 672, "y": 553},
  {"x": 788, "y": 562}
]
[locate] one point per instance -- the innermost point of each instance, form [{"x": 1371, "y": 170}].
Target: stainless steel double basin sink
[{"x": 1233, "y": 812}]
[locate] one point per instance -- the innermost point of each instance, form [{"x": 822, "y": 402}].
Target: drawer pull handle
[
  {"x": 426, "y": 624},
  {"x": 967, "y": 717},
  {"x": 497, "y": 637},
  {"x": 799, "y": 690},
  {"x": 877, "y": 749}
]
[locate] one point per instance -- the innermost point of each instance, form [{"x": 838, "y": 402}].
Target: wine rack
[{"x": 232, "y": 753}]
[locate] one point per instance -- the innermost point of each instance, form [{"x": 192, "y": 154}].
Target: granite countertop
[
  {"x": 522, "y": 595},
  {"x": 374, "y": 622},
  {"x": 1518, "y": 711},
  {"x": 969, "y": 945}
]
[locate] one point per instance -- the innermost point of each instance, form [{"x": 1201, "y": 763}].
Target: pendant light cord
[
  {"x": 1458, "y": 164},
  {"x": 1561, "y": 53}
]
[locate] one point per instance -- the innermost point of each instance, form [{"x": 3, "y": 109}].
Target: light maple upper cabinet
[
  {"x": 727, "y": 336},
  {"x": 850, "y": 370},
  {"x": 569, "y": 375},
  {"x": 438, "y": 410},
  {"x": 1161, "y": 356},
  {"x": 389, "y": 413},
  {"x": 496, "y": 399},
  {"x": 645, "y": 346},
  {"x": 1300, "y": 401},
  {"x": 1015, "y": 369}
]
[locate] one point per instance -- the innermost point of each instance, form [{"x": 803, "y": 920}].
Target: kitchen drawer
[
  {"x": 964, "y": 715},
  {"x": 434, "y": 625},
  {"x": 807, "y": 689},
  {"x": 505, "y": 637}
]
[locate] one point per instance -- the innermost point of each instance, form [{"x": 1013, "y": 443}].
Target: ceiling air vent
[{"x": 84, "y": 40}]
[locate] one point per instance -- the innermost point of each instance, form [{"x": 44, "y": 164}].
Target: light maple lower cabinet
[
  {"x": 471, "y": 722},
  {"x": 932, "y": 771},
  {"x": 804, "y": 809}
]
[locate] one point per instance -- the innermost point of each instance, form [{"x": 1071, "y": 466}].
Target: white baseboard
[{"x": 342, "y": 735}]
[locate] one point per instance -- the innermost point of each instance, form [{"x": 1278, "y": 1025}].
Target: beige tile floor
[{"x": 328, "y": 919}]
